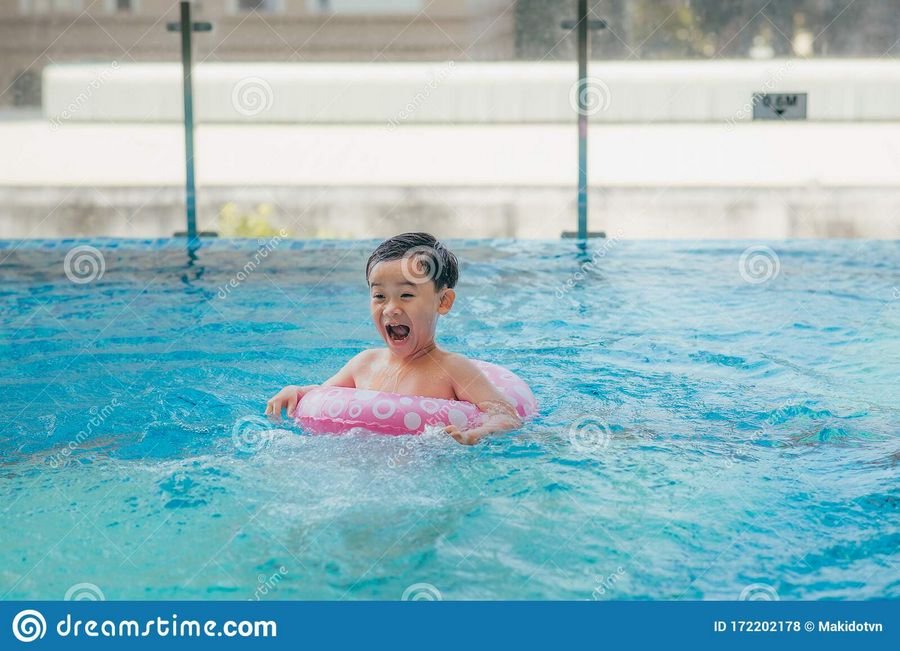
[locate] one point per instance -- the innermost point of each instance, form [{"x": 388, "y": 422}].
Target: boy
[{"x": 411, "y": 279}]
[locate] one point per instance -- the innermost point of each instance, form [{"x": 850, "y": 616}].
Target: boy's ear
[{"x": 447, "y": 298}]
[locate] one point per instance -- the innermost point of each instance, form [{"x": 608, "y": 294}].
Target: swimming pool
[{"x": 719, "y": 420}]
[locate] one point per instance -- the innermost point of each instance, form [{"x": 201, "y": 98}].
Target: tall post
[
  {"x": 187, "y": 84},
  {"x": 581, "y": 25},
  {"x": 582, "y": 119},
  {"x": 186, "y": 27}
]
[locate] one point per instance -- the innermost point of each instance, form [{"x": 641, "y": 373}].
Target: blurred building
[
  {"x": 466, "y": 117},
  {"x": 34, "y": 33}
]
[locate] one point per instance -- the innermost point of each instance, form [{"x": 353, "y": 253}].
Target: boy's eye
[
  {"x": 378, "y": 296},
  {"x": 407, "y": 295}
]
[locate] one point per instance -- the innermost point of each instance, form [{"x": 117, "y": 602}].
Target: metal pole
[
  {"x": 582, "y": 119},
  {"x": 190, "y": 193}
]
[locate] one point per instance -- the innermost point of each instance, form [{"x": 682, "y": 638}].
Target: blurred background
[{"x": 363, "y": 118}]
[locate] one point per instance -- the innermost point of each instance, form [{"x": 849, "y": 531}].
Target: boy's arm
[
  {"x": 471, "y": 385},
  {"x": 345, "y": 377},
  {"x": 290, "y": 395}
]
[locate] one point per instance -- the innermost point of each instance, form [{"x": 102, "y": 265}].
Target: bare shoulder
[
  {"x": 460, "y": 367},
  {"x": 470, "y": 383},
  {"x": 366, "y": 358},
  {"x": 355, "y": 370}
]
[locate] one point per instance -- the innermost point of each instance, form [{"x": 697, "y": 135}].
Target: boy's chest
[{"x": 419, "y": 378}]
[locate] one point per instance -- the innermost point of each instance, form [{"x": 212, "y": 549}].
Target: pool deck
[{"x": 682, "y": 167}]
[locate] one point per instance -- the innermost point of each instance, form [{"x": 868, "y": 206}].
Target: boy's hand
[
  {"x": 497, "y": 416},
  {"x": 288, "y": 398},
  {"x": 466, "y": 437}
]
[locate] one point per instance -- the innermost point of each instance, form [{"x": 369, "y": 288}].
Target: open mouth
[{"x": 398, "y": 333}]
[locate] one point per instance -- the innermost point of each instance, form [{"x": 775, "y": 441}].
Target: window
[
  {"x": 50, "y": 6},
  {"x": 26, "y": 89},
  {"x": 362, "y": 7},
  {"x": 121, "y": 6},
  {"x": 261, "y": 6}
]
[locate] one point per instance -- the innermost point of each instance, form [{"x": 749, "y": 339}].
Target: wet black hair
[{"x": 434, "y": 261}]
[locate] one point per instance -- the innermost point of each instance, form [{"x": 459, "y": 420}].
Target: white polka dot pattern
[
  {"x": 335, "y": 410},
  {"x": 412, "y": 421}
]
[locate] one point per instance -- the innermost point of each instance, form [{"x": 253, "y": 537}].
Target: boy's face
[{"x": 405, "y": 309}]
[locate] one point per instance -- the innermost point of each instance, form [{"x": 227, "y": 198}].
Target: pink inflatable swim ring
[{"x": 334, "y": 410}]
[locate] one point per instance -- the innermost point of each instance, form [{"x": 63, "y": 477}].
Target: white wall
[{"x": 467, "y": 93}]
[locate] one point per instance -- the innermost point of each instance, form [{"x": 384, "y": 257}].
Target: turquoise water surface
[{"x": 719, "y": 420}]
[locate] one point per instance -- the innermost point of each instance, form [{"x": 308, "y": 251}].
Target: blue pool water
[{"x": 713, "y": 423}]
